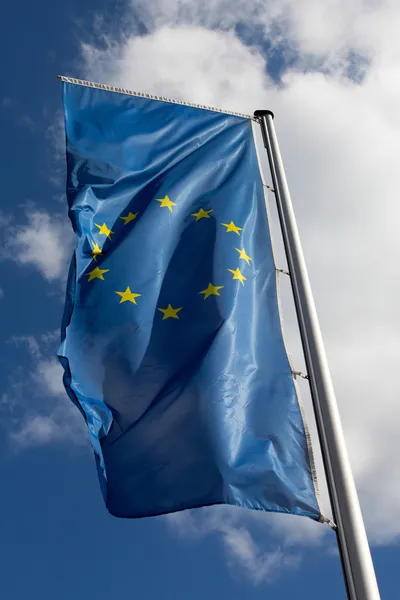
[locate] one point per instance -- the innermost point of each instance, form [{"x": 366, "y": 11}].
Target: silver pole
[{"x": 357, "y": 565}]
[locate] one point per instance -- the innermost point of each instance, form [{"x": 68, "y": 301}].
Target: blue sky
[{"x": 57, "y": 538}]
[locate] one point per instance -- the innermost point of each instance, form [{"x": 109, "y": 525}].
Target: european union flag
[{"x": 171, "y": 342}]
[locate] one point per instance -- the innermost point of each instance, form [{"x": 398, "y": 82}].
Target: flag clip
[
  {"x": 329, "y": 522},
  {"x": 299, "y": 374},
  {"x": 283, "y": 271},
  {"x": 271, "y": 189}
]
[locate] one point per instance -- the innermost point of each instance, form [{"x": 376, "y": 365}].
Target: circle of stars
[{"x": 169, "y": 312}]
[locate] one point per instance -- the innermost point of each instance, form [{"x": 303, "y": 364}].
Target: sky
[{"x": 329, "y": 71}]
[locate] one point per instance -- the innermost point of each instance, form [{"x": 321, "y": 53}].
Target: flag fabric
[{"x": 171, "y": 339}]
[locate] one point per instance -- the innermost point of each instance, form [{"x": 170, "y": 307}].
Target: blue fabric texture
[{"x": 171, "y": 338}]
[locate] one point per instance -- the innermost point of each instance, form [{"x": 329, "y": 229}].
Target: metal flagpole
[{"x": 353, "y": 544}]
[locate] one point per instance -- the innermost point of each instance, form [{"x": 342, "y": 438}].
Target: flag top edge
[{"x": 119, "y": 90}]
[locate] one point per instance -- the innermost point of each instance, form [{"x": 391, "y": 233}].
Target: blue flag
[{"x": 171, "y": 341}]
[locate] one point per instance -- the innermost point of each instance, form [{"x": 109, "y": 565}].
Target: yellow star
[
  {"x": 97, "y": 273},
  {"x": 130, "y": 217},
  {"x": 96, "y": 251},
  {"x": 104, "y": 230},
  {"x": 242, "y": 254},
  {"x": 238, "y": 275},
  {"x": 212, "y": 290},
  {"x": 202, "y": 214},
  {"x": 169, "y": 312},
  {"x": 232, "y": 227},
  {"x": 128, "y": 296},
  {"x": 166, "y": 202}
]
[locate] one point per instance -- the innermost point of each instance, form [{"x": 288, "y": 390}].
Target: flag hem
[
  {"x": 119, "y": 90},
  {"x": 310, "y": 515},
  {"x": 307, "y": 434}
]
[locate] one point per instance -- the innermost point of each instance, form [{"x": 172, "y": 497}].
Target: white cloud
[
  {"x": 39, "y": 411},
  {"x": 260, "y": 565},
  {"x": 45, "y": 242},
  {"x": 61, "y": 423},
  {"x": 194, "y": 74},
  {"x": 49, "y": 375},
  {"x": 321, "y": 32},
  {"x": 241, "y": 548},
  {"x": 38, "y": 430}
]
